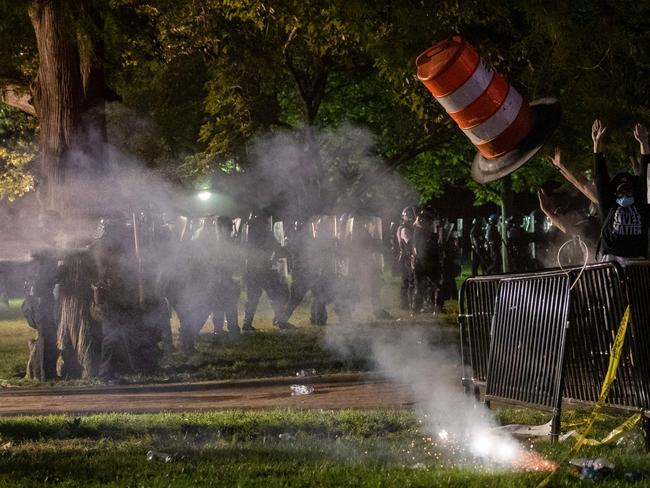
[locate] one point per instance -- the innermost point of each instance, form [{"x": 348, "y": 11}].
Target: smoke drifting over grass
[{"x": 428, "y": 362}]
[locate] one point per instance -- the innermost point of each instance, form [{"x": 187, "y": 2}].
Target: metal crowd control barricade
[
  {"x": 599, "y": 302},
  {"x": 526, "y": 359},
  {"x": 540, "y": 338},
  {"x": 476, "y": 309}
]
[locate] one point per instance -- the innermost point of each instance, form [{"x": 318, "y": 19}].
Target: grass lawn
[
  {"x": 14, "y": 334},
  {"x": 267, "y": 448}
]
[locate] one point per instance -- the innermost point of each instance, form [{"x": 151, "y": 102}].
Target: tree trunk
[
  {"x": 311, "y": 86},
  {"x": 69, "y": 102},
  {"x": 57, "y": 95},
  {"x": 79, "y": 336}
]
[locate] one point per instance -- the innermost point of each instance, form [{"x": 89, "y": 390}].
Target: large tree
[{"x": 67, "y": 96}]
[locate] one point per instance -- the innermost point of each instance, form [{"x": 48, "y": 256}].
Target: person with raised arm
[{"x": 623, "y": 201}]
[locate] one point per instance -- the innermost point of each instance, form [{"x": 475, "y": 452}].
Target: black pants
[
  {"x": 256, "y": 282},
  {"x": 302, "y": 284},
  {"x": 427, "y": 286},
  {"x": 407, "y": 285},
  {"x": 478, "y": 262},
  {"x": 494, "y": 265},
  {"x": 227, "y": 292},
  {"x": 192, "y": 317},
  {"x": 46, "y": 349},
  {"x": 116, "y": 325}
]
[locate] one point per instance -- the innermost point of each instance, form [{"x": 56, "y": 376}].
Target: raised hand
[
  {"x": 641, "y": 134},
  {"x": 556, "y": 159},
  {"x": 597, "y": 132}
]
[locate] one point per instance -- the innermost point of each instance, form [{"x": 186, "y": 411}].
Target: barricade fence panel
[
  {"x": 599, "y": 302},
  {"x": 476, "y": 307},
  {"x": 511, "y": 323},
  {"x": 528, "y": 337},
  {"x": 638, "y": 294}
]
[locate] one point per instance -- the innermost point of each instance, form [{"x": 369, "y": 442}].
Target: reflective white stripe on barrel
[
  {"x": 500, "y": 121},
  {"x": 469, "y": 91}
]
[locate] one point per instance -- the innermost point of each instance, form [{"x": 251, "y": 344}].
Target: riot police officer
[
  {"x": 427, "y": 262},
  {"x": 477, "y": 241},
  {"x": 364, "y": 265},
  {"x": 40, "y": 306},
  {"x": 115, "y": 295},
  {"x": 519, "y": 241},
  {"x": 261, "y": 252},
  {"x": 493, "y": 246},
  {"x": 193, "y": 286},
  {"x": 305, "y": 276},
  {"x": 406, "y": 258},
  {"x": 227, "y": 289},
  {"x": 450, "y": 254}
]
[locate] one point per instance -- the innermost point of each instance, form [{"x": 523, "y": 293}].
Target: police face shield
[
  {"x": 224, "y": 228},
  {"x": 374, "y": 226},
  {"x": 278, "y": 233},
  {"x": 256, "y": 228},
  {"x": 204, "y": 230},
  {"x": 325, "y": 227}
]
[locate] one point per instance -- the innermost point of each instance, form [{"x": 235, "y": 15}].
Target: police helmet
[{"x": 409, "y": 214}]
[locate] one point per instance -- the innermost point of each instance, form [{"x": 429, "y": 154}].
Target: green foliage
[
  {"x": 18, "y": 55},
  {"x": 15, "y": 333},
  {"x": 215, "y": 75},
  {"x": 17, "y": 151},
  {"x": 15, "y": 179}
]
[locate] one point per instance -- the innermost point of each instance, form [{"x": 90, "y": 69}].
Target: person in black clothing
[
  {"x": 227, "y": 289},
  {"x": 40, "y": 306},
  {"x": 191, "y": 290},
  {"x": 477, "y": 240},
  {"x": 493, "y": 246},
  {"x": 157, "y": 258},
  {"x": 262, "y": 252},
  {"x": 519, "y": 241},
  {"x": 363, "y": 252},
  {"x": 450, "y": 252},
  {"x": 306, "y": 273},
  {"x": 115, "y": 295},
  {"x": 405, "y": 258},
  {"x": 41, "y": 312},
  {"x": 623, "y": 201},
  {"x": 426, "y": 263}
]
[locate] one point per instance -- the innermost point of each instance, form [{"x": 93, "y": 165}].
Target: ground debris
[{"x": 297, "y": 390}]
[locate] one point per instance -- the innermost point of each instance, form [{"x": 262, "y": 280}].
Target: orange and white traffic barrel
[{"x": 497, "y": 119}]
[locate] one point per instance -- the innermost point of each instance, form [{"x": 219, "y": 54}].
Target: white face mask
[{"x": 625, "y": 201}]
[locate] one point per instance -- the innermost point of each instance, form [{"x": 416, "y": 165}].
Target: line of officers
[
  {"x": 427, "y": 254},
  {"x": 522, "y": 244},
  {"x": 137, "y": 270}
]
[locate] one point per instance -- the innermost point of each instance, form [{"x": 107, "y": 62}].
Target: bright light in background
[{"x": 204, "y": 195}]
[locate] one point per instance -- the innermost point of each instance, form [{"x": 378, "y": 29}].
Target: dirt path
[{"x": 340, "y": 391}]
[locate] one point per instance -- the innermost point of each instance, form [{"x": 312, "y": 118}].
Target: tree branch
[
  {"x": 426, "y": 144},
  {"x": 16, "y": 95}
]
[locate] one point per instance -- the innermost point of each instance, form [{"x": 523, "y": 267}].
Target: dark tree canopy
[{"x": 215, "y": 76}]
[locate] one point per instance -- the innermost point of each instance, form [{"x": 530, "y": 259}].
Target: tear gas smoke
[
  {"x": 346, "y": 170},
  {"x": 429, "y": 364}
]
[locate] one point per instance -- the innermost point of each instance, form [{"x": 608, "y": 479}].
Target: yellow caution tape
[
  {"x": 615, "y": 434},
  {"x": 614, "y": 358}
]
